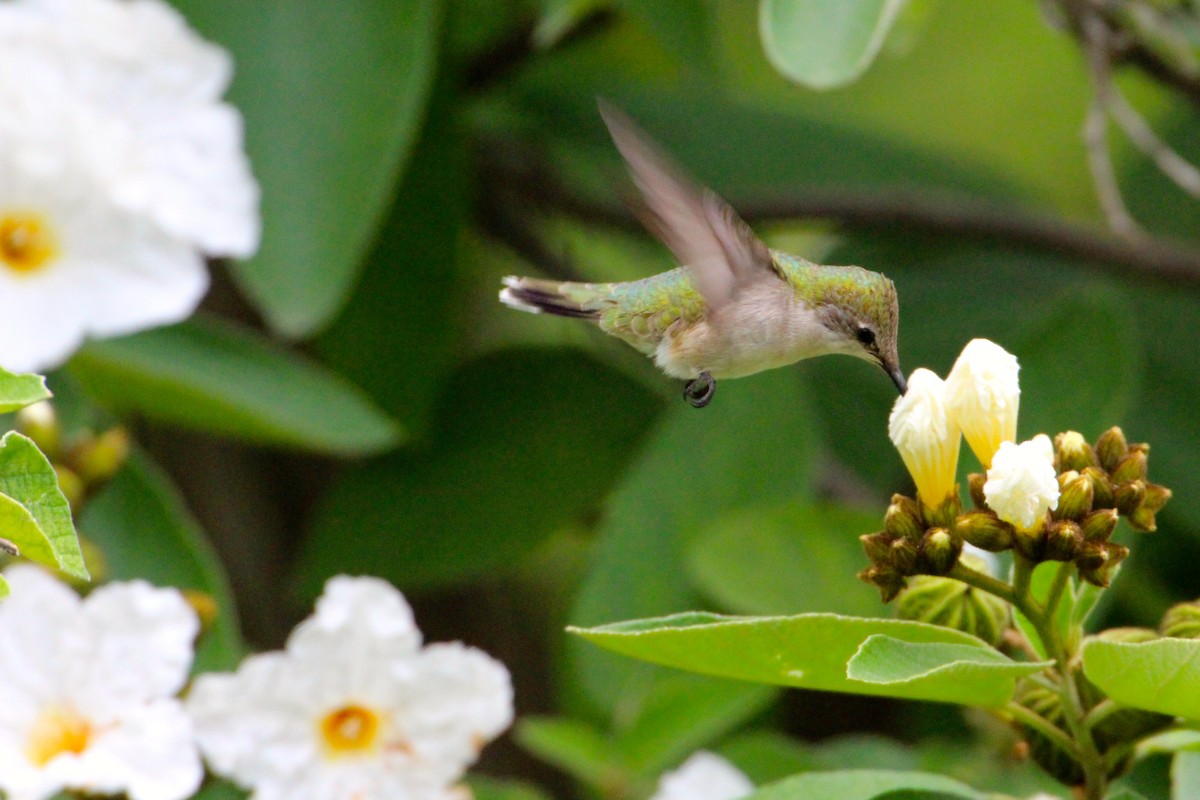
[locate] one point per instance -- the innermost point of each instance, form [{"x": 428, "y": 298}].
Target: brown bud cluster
[
  {"x": 1120, "y": 480},
  {"x": 912, "y": 542}
]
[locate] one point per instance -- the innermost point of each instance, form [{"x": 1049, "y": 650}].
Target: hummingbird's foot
[{"x": 699, "y": 391}]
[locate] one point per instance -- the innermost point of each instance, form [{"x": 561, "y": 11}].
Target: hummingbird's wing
[{"x": 699, "y": 227}]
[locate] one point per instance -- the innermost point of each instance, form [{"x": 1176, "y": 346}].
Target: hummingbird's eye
[{"x": 866, "y": 336}]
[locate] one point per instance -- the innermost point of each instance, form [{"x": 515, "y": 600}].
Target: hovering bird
[{"x": 736, "y": 306}]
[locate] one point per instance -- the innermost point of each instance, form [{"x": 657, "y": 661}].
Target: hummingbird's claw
[{"x": 699, "y": 391}]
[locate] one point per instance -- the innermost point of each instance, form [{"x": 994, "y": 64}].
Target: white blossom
[
  {"x": 983, "y": 395},
  {"x": 354, "y": 708},
  {"x": 1022, "y": 484},
  {"x": 926, "y": 436},
  {"x": 704, "y": 776},
  {"x": 87, "y": 702}
]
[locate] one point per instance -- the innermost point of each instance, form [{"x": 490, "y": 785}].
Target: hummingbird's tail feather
[{"x": 577, "y": 300}]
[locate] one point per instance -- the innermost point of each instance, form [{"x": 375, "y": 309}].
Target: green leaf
[
  {"x": 861, "y": 785},
  {"x": 1124, "y": 793},
  {"x": 22, "y": 530},
  {"x": 29, "y": 479},
  {"x": 575, "y": 747},
  {"x": 786, "y": 558},
  {"x": 1163, "y": 675},
  {"x": 527, "y": 441},
  {"x": 216, "y": 377},
  {"x": 4, "y": 588},
  {"x": 887, "y": 661},
  {"x": 333, "y": 95},
  {"x": 1185, "y": 775},
  {"x": 482, "y": 787},
  {"x": 144, "y": 530},
  {"x": 20, "y": 390},
  {"x": 217, "y": 789},
  {"x": 810, "y": 651},
  {"x": 825, "y": 44}
]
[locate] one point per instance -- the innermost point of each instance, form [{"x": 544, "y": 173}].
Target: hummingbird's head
[{"x": 861, "y": 308}]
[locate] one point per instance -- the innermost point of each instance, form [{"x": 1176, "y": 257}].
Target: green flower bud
[
  {"x": 1097, "y": 560},
  {"x": 885, "y": 578},
  {"x": 946, "y": 512},
  {"x": 951, "y": 604},
  {"x": 72, "y": 486},
  {"x": 1128, "y": 496},
  {"x": 1098, "y": 525},
  {"x": 101, "y": 458},
  {"x": 975, "y": 482},
  {"x": 1128, "y": 635},
  {"x": 1063, "y": 538},
  {"x": 877, "y": 546},
  {"x": 40, "y": 423},
  {"x": 1031, "y": 544},
  {"x": 1182, "y": 621},
  {"x": 1111, "y": 447},
  {"x": 1130, "y": 468},
  {"x": 939, "y": 551},
  {"x": 1102, "y": 488},
  {"x": 1072, "y": 452},
  {"x": 1075, "y": 499},
  {"x": 1143, "y": 517},
  {"x": 903, "y": 557},
  {"x": 903, "y": 518},
  {"x": 984, "y": 530}
]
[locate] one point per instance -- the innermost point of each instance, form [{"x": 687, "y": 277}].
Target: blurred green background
[{"x": 354, "y": 399}]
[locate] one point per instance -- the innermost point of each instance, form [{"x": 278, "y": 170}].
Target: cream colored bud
[
  {"x": 1022, "y": 486},
  {"x": 1072, "y": 452},
  {"x": 926, "y": 437},
  {"x": 983, "y": 396}
]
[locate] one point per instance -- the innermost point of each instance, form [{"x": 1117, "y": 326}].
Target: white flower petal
[
  {"x": 926, "y": 436},
  {"x": 1022, "y": 485},
  {"x": 704, "y": 776},
  {"x": 983, "y": 395}
]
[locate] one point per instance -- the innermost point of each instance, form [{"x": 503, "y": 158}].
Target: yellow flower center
[
  {"x": 57, "y": 731},
  {"x": 27, "y": 242},
  {"x": 350, "y": 730}
]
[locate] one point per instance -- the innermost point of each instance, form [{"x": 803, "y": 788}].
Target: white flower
[
  {"x": 704, "y": 776},
  {"x": 926, "y": 436},
  {"x": 120, "y": 168},
  {"x": 354, "y": 708},
  {"x": 983, "y": 395},
  {"x": 1022, "y": 485},
  {"x": 87, "y": 698}
]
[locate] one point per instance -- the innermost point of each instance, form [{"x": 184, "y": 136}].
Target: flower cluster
[
  {"x": 1047, "y": 500},
  {"x": 355, "y": 707},
  {"x": 120, "y": 169}
]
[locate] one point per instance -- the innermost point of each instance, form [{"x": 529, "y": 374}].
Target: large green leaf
[
  {"x": 753, "y": 445},
  {"x": 144, "y": 530},
  {"x": 27, "y": 478},
  {"x": 888, "y": 661},
  {"x": 1163, "y": 675},
  {"x": 213, "y": 376},
  {"x": 20, "y": 390},
  {"x": 21, "y": 529},
  {"x": 333, "y": 95},
  {"x": 527, "y": 441},
  {"x": 786, "y": 559},
  {"x": 862, "y": 785},
  {"x": 825, "y": 44},
  {"x": 810, "y": 651},
  {"x": 577, "y": 748}
]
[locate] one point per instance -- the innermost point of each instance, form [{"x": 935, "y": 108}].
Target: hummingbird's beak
[{"x": 897, "y": 376}]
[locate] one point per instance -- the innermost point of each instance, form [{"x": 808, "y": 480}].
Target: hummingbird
[{"x": 735, "y": 307}]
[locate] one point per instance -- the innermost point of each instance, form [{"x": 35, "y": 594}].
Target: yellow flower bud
[
  {"x": 983, "y": 396},
  {"x": 926, "y": 437}
]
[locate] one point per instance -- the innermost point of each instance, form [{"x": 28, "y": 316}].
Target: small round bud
[
  {"x": 1128, "y": 635},
  {"x": 1076, "y": 497},
  {"x": 951, "y": 604},
  {"x": 102, "y": 457},
  {"x": 944, "y": 514},
  {"x": 1128, "y": 496},
  {"x": 1111, "y": 447},
  {"x": 1072, "y": 452},
  {"x": 1063, "y": 538},
  {"x": 975, "y": 482},
  {"x": 877, "y": 546},
  {"x": 1102, "y": 488},
  {"x": 1182, "y": 621},
  {"x": 939, "y": 551},
  {"x": 1156, "y": 497},
  {"x": 885, "y": 578},
  {"x": 1130, "y": 468},
  {"x": 72, "y": 486},
  {"x": 903, "y": 557},
  {"x": 1097, "y": 560},
  {"x": 40, "y": 423},
  {"x": 1031, "y": 544},
  {"x": 1098, "y": 525},
  {"x": 903, "y": 518},
  {"x": 984, "y": 530}
]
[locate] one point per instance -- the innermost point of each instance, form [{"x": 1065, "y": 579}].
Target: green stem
[
  {"x": 1042, "y": 725},
  {"x": 983, "y": 581},
  {"x": 1022, "y": 575},
  {"x": 1100, "y": 712},
  {"x": 1062, "y": 579}
]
